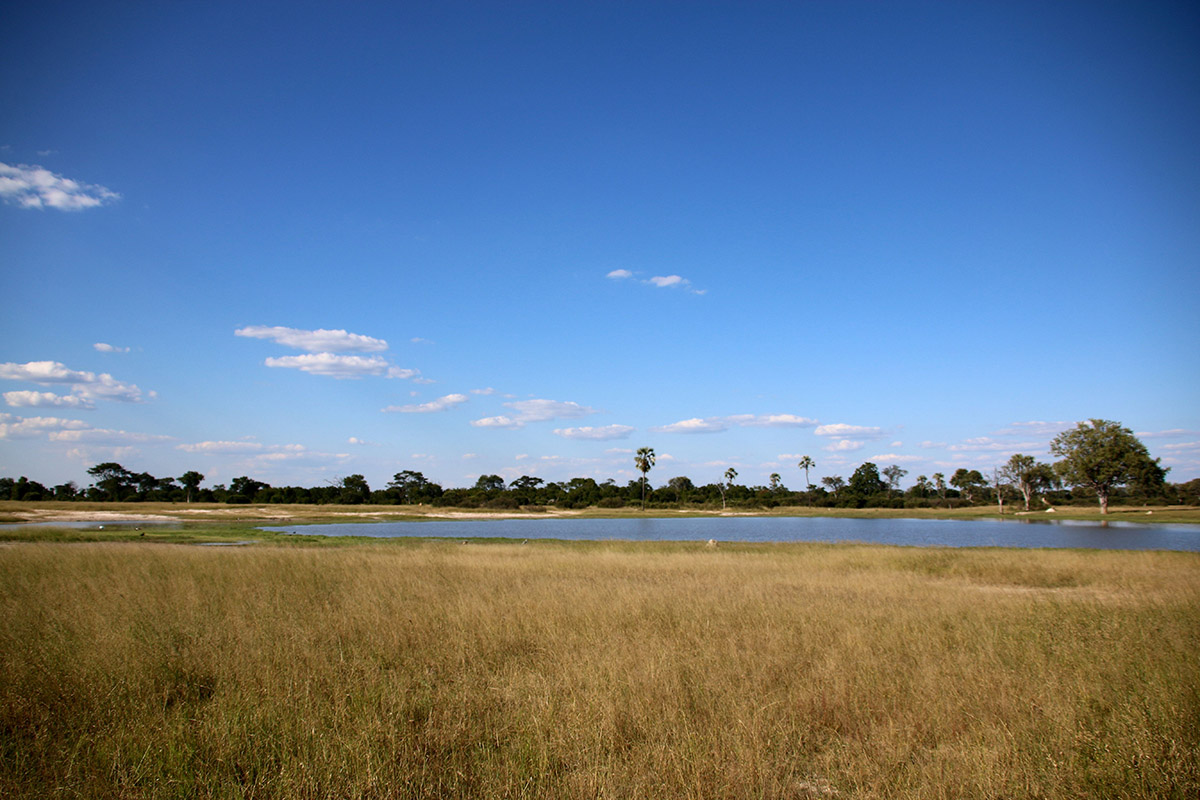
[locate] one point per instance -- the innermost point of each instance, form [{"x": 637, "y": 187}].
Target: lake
[{"x": 1023, "y": 532}]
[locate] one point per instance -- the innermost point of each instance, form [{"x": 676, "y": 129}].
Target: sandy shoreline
[{"x": 264, "y": 513}]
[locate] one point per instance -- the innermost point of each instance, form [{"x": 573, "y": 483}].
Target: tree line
[{"x": 1099, "y": 461}]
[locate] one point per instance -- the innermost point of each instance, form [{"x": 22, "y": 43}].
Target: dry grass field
[{"x": 442, "y": 670}]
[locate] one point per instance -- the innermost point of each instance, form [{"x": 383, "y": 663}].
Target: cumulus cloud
[
  {"x": 221, "y": 448},
  {"x": 604, "y": 433},
  {"x": 497, "y": 422},
  {"x": 844, "y": 431},
  {"x": 895, "y": 458},
  {"x": 694, "y": 425},
  {"x": 844, "y": 446},
  {"x": 35, "y": 187},
  {"x": 718, "y": 424},
  {"x": 538, "y": 410},
  {"x": 318, "y": 341},
  {"x": 104, "y": 347},
  {"x": 985, "y": 444},
  {"x": 1168, "y": 434},
  {"x": 14, "y": 427},
  {"x": 361, "y": 442},
  {"x": 87, "y": 385},
  {"x": 659, "y": 281},
  {"x": 1035, "y": 428},
  {"x": 485, "y": 391},
  {"x": 777, "y": 421},
  {"x": 332, "y": 365},
  {"x": 105, "y": 436},
  {"x": 440, "y": 404},
  {"x": 46, "y": 399}
]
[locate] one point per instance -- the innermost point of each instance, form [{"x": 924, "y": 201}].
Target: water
[{"x": 1023, "y": 532}]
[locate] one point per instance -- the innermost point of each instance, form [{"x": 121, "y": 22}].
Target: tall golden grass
[{"x": 443, "y": 670}]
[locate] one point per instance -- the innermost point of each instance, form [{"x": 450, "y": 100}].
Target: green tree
[
  {"x": 806, "y": 463},
  {"x": 939, "y": 484},
  {"x": 865, "y": 482},
  {"x": 191, "y": 481},
  {"x": 409, "y": 487},
  {"x": 354, "y": 490},
  {"x": 246, "y": 487},
  {"x": 967, "y": 481},
  {"x": 730, "y": 474},
  {"x": 1102, "y": 455},
  {"x": 644, "y": 461},
  {"x": 834, "y": 483},
  {"x": 1027, "y": 474},
  {"x": 893, "y": 475},
  {"x": 525, "y": 488},
  {"x": 776, "y": 482},
  {"x": 112, "y": 479},
  {"x": 683, "y": 487},
  {"x": 491, "y": 484}
]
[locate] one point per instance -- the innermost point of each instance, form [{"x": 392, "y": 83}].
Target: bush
[
  {"x": 237, "y": 500},
  {"x": 611, "y": 502}
]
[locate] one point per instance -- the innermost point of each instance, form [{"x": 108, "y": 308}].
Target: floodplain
[{"x": 441, "y": 669}]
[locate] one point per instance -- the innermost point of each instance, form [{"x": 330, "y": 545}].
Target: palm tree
[
  {"x": 644, "y": 461},
  {"x": 806, "y": 463}
]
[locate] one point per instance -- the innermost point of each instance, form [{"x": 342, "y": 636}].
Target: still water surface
[{"x": 913, "y": 532}]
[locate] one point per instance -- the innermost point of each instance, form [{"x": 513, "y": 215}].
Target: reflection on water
[{"x": 1017, "y": 532}]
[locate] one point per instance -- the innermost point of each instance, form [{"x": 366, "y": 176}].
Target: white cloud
[
  {"x": 845, "y": 431},
  {"x": 108, "y": 348},
  {"x": 354, "y": 440},
  {"x": 542, "y": 410},
  {"x": 46, "y": 399},
  {"x": 985, "y": 444},
  {"x": 105, "y": 436},
  {"x": 605, "y": 433},
  {"x": 403, "y": 373},
  {"x": 1035, "y": 428},
  {"x": 221, "y": 448},
  {"x": 659, "y": 281},
  {"x": 488, "y": 390},
  {"x": 895, "y": 458},
  {"x": 694, "y": 425},
  {"x": 1169, "y": 434},
  {"x": 844, "y": 446},
  {"x": 87, "y": 385},
  {"x": 497, "y": 422},
  {"x": 440, "y": 404},
  {"x": 778, "y": 421},
  {"x": 1181, "y": 447},
  {"x": 718, "y": 424},
  {"x": 318, "y": 341},
  {"x": 36, "y": 187},
  {"x": 534, "y": 411},
  {"x": 14, "y": 427},
  {"x": 932, "y": 445},
  {"x": 333, "y": 366}
]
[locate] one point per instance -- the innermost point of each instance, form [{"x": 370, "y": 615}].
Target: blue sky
[{"x": 298, "y": 241}]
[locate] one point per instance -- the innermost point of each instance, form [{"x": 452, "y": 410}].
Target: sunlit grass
[{"x": 597, "y": 670}]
